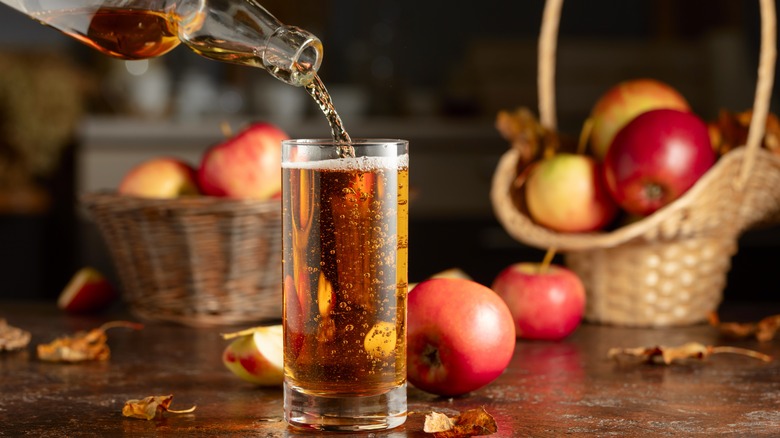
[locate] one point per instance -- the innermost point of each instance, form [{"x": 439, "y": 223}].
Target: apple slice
[
  {"x": 87, "y": 291},
  {"x": 257, "y": 355}
]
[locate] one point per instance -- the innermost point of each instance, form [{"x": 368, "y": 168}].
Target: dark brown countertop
[{"x": 550, "y": 389}]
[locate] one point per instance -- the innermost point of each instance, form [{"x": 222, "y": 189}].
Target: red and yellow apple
[
  {"x": 257, "y": 355},
  {"x": 622, "y": 103},
  {"x": 546, "y": 302},
  {"x": 245, "y": 166},
  {"x": 460, "y": 336},
  {"x": 566, "y": 192},
  {"x": 447, "y": 273},
  {"x": 87, "y": 291},
  {"x": 656, "y": 158},
  {"x": 160, "y": 177}
]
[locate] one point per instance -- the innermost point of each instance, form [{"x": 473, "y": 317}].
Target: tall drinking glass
[{"x": 345, "y": 228}]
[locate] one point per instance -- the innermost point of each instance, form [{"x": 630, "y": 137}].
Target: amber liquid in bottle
[{"x": 119, "y": 32}]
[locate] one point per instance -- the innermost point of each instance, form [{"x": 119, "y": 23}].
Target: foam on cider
[{"x": 362, "y": 164}]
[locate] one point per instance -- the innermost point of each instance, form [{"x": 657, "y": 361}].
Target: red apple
[
  {"x": 546, "y": 303},
  {"x": 87, "y": 291},
  {"x": 460, "y": 336},
  {"x": 257, "y": 355},
  {"x": 656, "y": 158},
  {"x": 161, "y": 177},
  {"x": 245, "y": 166},
  {"x": 447, "y": 273},
  {"x": 622, "y": 103},
  {"x": 566, "y": 192}
]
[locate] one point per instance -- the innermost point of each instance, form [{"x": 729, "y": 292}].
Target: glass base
[{"x": 344, "y": 414}]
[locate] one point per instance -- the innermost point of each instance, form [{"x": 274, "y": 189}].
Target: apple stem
[
  {"x": 227, "y": 131},
  {"x": 742, "y": 351},
  {"x": 587, "y": 127},
  {"x": 548, "y": 256}
]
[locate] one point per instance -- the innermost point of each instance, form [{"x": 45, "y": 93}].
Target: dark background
[{"x": 395, "y": 51}]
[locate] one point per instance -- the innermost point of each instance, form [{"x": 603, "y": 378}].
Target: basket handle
[{"x": 766, "y": 72}]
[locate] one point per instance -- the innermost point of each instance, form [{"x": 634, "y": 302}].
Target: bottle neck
[{"x": 246, "y": 33}]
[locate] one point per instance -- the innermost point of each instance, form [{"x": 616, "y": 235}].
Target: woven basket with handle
[
  {"x": 668, "y": 268},
  {"x": 198, "y": 261}
]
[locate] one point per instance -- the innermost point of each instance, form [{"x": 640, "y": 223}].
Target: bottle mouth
[{"x": 292, "y": 55}]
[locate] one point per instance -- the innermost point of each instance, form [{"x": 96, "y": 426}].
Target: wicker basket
[
  {"x": 199, "y": 261},
  {"x": 669, "y": 268}
]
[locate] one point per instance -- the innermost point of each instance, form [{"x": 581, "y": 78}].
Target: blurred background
[{"x": 73, "y": 120}]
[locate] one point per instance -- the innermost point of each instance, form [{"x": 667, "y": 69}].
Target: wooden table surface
[{"x": 550, "y": 389}]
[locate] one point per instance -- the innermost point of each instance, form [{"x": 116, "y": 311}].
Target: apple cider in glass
[{"x": 345, "y": 229}]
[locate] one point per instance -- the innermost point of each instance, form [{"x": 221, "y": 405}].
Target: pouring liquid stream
[{"x": 316, "y": 89}]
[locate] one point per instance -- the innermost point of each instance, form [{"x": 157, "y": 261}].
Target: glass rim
[{"x": 329, "y": 142}]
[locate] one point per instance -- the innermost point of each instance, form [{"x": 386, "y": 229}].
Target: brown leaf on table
[
  {"x": 12, "y": 338},
  {"x": 473, "y": 422},
  {"x": 151, "y": 407},
  {"x": 691, "y": 350},
  {"x": 437, "y": 422},
  {"x": 82, "y": 346},
  {"x": 763, "y": 330}
]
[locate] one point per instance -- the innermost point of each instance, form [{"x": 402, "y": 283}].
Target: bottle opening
[{"x": 293, "y": 55}]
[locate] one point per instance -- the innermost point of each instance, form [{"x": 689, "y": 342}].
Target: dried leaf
[
  {"x": 767, "y": 328},
  {"x": 730, "y": 130},
  {"x": 525, "y": 133},
  {"x": 151, "y": 407},
  {"x": 473, "y": 422},
  {"x": 82, "y": 346},
  {"x": 437, "y": 422},
  {"x": 12, "y": 338},
  {"x": 732, "y": 329},
  {"x": 763, "y": 330},
  {"x": 691, "y": 350}
]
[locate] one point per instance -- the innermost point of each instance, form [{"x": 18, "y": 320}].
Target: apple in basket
[
  {"x": 246, "y": 165},
  {"x": 160, "y": 177},
  {"x": 256, "y": 355},
  {"x": 566, "y": 192},
  {"x": 622, "y": 103},
  {"x": 460, "y": 336},
  {"x": 547, "y": 301},
  {"x": 656, "y": 158}
]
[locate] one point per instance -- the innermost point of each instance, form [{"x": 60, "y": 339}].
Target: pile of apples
[
  {"x": 646, "y": 148},
  {"x": 243, "y": 166}
]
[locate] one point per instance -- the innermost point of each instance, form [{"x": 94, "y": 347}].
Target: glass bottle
[{"x": 235, "y": 31}]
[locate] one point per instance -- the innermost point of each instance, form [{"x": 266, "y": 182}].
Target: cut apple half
[
  {"x": 87, "y": 291},
  {"x": 257, "y": 355}
]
